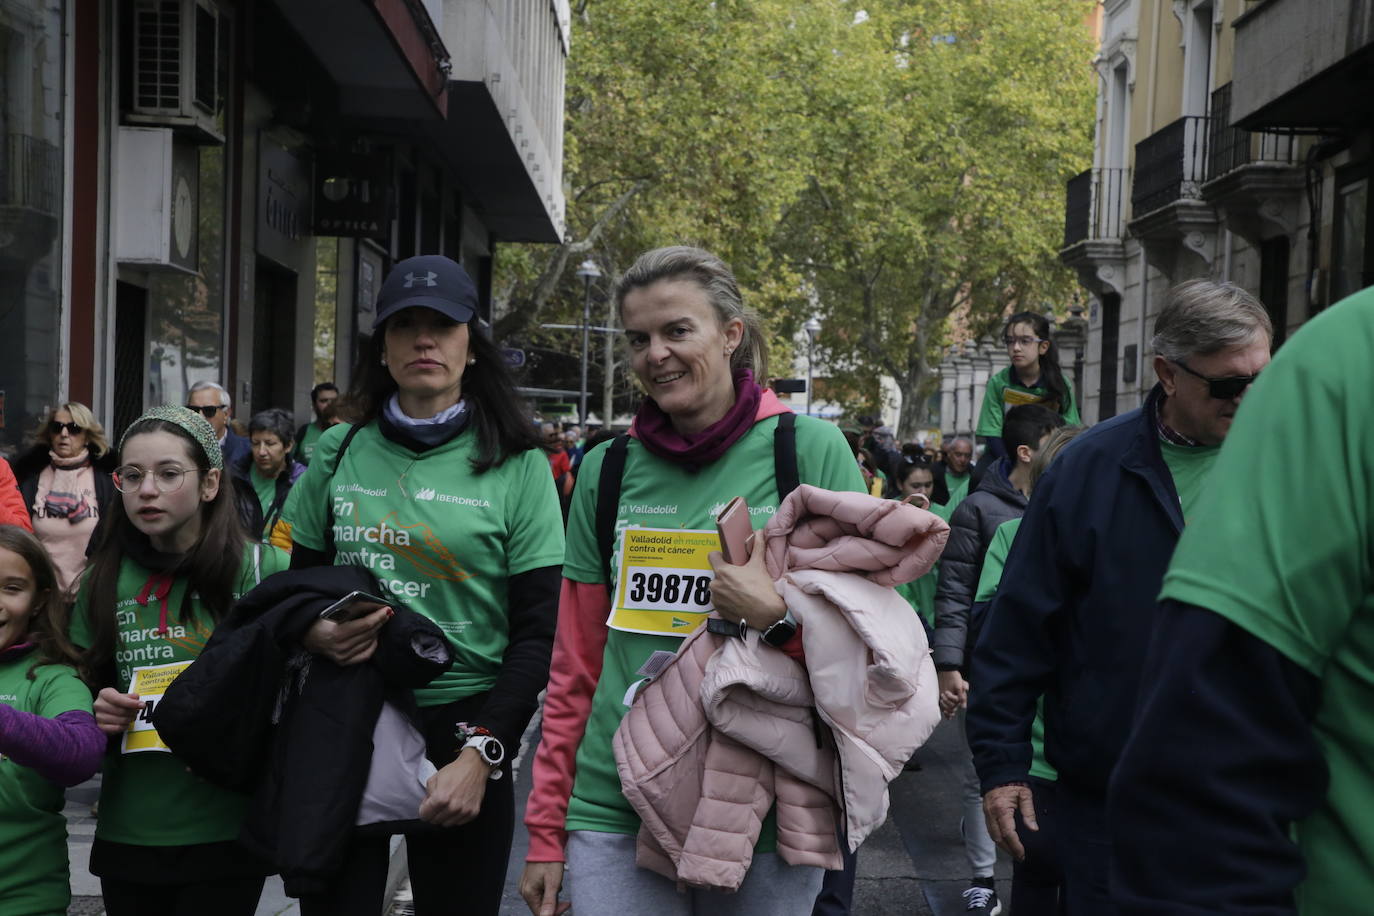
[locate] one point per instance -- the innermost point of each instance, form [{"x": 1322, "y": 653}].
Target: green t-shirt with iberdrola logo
[
  {"x": 656, "y": 493},
  {"x": 148, "y": 798},
  {"x": 34, "y": 875},
  {"x": 1288, "y": 558},
  {"x": 994, "y": 562},
  {"x": 1003, "y": 393},
  {"x": 440, "y": 538}
]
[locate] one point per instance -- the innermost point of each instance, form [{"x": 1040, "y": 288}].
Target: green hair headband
[{"x": 196, "y": 426}]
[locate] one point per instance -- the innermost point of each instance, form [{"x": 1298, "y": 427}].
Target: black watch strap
[{"x": 722, "y": 627}]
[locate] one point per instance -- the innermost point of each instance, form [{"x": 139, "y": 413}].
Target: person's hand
[
  {"x": 539, "y": 886},
  {"x": 953, "y": 692},
  {"x": 746, "y": 592},
  {"x": 349, "y": 643},
  {"x": 999, "y": 810},
  {"x": 454, "y": 795},
  {"x": 115, "y": 711}
]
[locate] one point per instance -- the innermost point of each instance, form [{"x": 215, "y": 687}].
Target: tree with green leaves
[{"x": 938, "y": 191}]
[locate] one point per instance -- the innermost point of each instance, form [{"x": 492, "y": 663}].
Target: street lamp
[
  {"x": 588, "y": 272},
  {"x": 812, "y": 328}
]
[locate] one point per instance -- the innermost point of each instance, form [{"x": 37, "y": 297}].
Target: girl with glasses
[
  {"x": 168, "y": 567},
  {"x": 1034, "y": 377},
  {"x": 65, "y": 482}
]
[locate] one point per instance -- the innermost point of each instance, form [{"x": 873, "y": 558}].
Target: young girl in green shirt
[
  {"x": 48, "y": 738},
  {"x": 169, "y": 567},
  {"x": 1034, "y": 377}
]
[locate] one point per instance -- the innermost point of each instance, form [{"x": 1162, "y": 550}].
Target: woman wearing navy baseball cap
[{"x": 441, "y": 491}]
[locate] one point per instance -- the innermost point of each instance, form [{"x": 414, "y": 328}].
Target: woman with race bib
[
  {"x": 168, "y": 568},
  {"x": 704, "y": 435},
  {"x": 441, "y": 491}
]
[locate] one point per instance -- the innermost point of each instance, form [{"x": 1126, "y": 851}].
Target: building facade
[
  {"x": 1188, "y": 182},
  {"x": 214, "y": 189}
]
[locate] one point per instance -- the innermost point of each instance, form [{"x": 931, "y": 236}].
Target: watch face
[{"x": 779, "y": 632}]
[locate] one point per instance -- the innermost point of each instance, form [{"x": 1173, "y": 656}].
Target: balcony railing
[
  {"x": 1095, "y": 205},
  {"x": 1229, "y": 148},
  {"x": 30, "y": 173},
  {"x": 1170, "y": 165}
]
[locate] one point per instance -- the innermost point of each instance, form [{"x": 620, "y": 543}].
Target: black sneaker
[{"x": 982, "y": 899}]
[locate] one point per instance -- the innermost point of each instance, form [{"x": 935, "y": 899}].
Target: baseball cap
[{"x": 429, "y": 280}]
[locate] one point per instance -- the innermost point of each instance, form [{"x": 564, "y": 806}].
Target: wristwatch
[
  {"x": 780, "y": 632},
  {"x": 491, "y": 750}
]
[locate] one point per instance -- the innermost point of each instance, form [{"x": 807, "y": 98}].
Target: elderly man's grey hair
[
  {"x": 1201, "y": 317},
  {"x": 224, "y": 399}
]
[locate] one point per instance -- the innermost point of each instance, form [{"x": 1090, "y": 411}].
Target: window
[{"x": 1349, "y": 264}]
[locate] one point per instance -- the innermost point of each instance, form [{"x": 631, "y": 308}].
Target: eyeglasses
[
  {"x": 1022, "y": 341},
  {"x": 208, "y": 410},
  {"x": 1223, "y": 389},
  {"x": 167, "y": 479},
  {"x": 55, "y": 428}
]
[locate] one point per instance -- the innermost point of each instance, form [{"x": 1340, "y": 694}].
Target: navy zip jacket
[{"x": 1074, "y": 612}]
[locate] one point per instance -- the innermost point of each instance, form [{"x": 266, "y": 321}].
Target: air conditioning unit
[{"x": 177, "y": 72}]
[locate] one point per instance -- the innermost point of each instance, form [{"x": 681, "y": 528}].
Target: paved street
[{"x": 913, "y": 865}]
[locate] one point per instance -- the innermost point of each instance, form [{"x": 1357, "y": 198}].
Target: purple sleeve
[{"x": 65, "y": 750}]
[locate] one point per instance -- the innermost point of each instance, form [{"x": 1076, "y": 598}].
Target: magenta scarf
[{"x": 654, "y": 428}]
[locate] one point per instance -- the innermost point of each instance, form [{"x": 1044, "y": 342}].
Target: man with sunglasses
[
  {"x": 1076, "y": 607},
  {"x": 212, "y": 401}
]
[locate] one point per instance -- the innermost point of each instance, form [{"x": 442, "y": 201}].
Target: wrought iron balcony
[
  {"x": 1170, "y": 165},
  {"x": 30, "y": 174},
  {"x": 1229, "y": 148},
  {"x": 1095, "y": 205}
]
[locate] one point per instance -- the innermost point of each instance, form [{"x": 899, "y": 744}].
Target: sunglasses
[
  {"x": 1223, "y": 389},
  {"x": 209, "y": 410},
  {"x": 55, "y": 428}
]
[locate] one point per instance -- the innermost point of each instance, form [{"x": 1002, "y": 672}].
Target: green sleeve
[
  {"x": 582, "y": 559},
  {"x": 996, "y": 560},
  {"x": 1281, "y": 541},
  {"x": 1070, "y": 413},
  {"x": 305, "y": 505},
  {"x": 824, "y": 458},
  {"x": 269, "y": 560},
  {"x": 79, "y": 628},
  {"x": 60, "y": 690},
  {"x": 990, "y": 419},
  {"x": 535, "y": 519}
]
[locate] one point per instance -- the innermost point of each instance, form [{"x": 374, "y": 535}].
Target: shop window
[
  {"x": 32, "y": 92},
  {"x": 1349, "y": 250},
  {"x": 326, "y": 308}
]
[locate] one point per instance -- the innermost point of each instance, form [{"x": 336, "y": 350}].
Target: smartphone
[
  {"x": 736, "y": 534},
  {"x": 351, "y": 607}
]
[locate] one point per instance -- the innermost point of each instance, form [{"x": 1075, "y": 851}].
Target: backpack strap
[
  {"x": 328, "y": 497},
  {"x": 608, "y": 503},
  {"x": 785, "y": 455}
]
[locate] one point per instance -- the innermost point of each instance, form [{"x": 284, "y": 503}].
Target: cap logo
[{"x": 429, "y": 279}]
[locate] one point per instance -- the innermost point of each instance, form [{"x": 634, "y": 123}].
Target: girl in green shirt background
[{"x": 1034, "y": 377}]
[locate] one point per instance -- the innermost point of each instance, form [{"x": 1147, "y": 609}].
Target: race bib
[
  {"x": 1014, "y": 397},
  {"x": 663, "y": 582},
  {"x": 150, "y": 683}
]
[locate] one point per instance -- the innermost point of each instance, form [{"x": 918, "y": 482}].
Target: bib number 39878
[{"x": 663, "y": 581}]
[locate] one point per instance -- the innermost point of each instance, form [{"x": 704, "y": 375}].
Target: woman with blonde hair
[{"x": 65, "y": 482}]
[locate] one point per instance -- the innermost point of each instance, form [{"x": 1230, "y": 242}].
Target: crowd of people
[{"x": 287, "y": 644}]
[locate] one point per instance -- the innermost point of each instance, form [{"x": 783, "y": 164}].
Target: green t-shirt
[
  {"x": 34, "y": 876},
  {"x": 1002, "y": 394},
  {"x": 265, "y": 487},
  {"x": 994, "y": 561},
  {"x": 440, "y": 538},
  {"x": 958, "y": 489},
  {"x": 660, "y": 494},
  {"x": 149, "y": 798},
  {"x": 1286, "y": 555},
  {"x": 1189, "y": 467},
  {"x": 920, "y": 593},
  {"x": 305, "y": 449}
]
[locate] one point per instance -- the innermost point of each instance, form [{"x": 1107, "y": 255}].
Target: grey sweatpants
[{"x": 603, "y": 879}]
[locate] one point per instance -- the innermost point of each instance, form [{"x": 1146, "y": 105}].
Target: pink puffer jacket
[{"x": 733, "y": 726}]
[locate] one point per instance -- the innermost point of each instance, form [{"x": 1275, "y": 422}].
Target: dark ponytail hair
[
  {"x": 1051, "y": 376},
  {"x": 211, "y": 567},
  {"x": 499, "y": 415},
  {"x": 48, "y": 615}
]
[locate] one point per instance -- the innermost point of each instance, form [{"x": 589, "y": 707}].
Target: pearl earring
[
  {"x": 472, "y": 360},
  {"x": 383, "y": 360}
]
